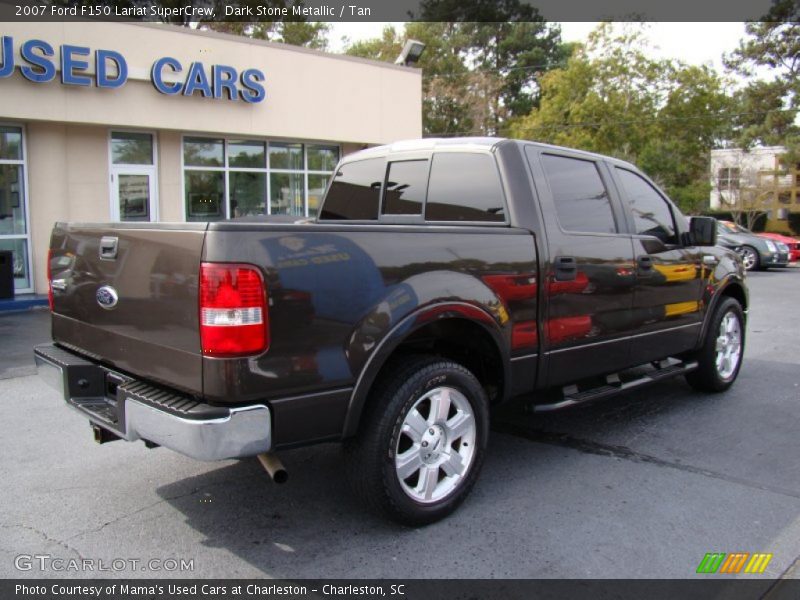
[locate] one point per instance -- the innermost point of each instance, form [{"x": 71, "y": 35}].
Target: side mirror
[{"x": 703, "y": 231}]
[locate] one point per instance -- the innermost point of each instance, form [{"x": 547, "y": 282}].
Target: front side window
[
  {"x": 406, "y": 183},
  {"x": 355, "y": 191},
  {"x": 581, "y": 199},
  {"x": 651, "y": 213},
  {"x": 464, "y": 187}
]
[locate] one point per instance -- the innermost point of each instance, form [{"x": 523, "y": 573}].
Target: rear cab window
[
  {"x": 406, "y": 187},
  {"x": 581, "y": 199},
  {"x": 355, "y": 192},
  {"x": 446, "y": 187},
  {"x": 465, "y": 186}
]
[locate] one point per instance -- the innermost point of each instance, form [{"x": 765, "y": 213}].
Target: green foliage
[
  {"x": 477, "y": 76},
  {"x": 769, "y": 108},
  {"x": 297, "y": 33},
  {"x": 613, "y": 98}
]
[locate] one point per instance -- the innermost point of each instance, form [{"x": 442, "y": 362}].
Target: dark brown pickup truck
[{"x": 442, "y": 277}]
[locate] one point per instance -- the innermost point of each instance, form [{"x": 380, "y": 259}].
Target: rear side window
[
  {"x": 405, "y": 187},
  {"x": 651, "y": 213},
  {"x": 581, "y": 198},
  {"x": 464, "y": 187},
  {"x": 355, "y": 192}
]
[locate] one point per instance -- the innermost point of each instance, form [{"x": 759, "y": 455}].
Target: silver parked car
[{"x": 757, "y": 253}]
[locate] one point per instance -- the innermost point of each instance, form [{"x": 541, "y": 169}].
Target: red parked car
[{"x": 793, "y": 243}]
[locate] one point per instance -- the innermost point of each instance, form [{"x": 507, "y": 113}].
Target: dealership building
[{"x": 145, "y": 122}]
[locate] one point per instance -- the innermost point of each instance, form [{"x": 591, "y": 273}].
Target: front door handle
[{"x": 566, "y": 268}]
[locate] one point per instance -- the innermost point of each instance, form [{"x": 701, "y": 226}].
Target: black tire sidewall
[
  {"x": 437, "y": 374},
  {"x": 708, "y": 359}
]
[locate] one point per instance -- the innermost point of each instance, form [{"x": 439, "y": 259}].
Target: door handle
[
  {"x": 566, "y": 268},
  {"x": 645, "y": 262}
]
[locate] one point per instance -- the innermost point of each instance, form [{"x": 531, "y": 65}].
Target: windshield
[{"x": 729, "y": 227}]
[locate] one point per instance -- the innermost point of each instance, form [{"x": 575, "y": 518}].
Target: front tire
[
  {"x": 720, "y": 358},
  {"x": 422, "y": 440}
]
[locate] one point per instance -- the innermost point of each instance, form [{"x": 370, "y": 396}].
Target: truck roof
[{"x": 465, "y": 143}]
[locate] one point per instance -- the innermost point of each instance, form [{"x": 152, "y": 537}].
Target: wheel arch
[
  {"x": 734, "y": 288},
  {"x": 462, "y": 332}
]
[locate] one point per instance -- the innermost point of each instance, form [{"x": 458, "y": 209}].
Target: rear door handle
[
  {"x": 645, "y": 262},
  {"x": 566, "y": 268}
]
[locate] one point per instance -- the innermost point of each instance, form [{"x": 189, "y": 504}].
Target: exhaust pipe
[{"x": 273, "y": 465}]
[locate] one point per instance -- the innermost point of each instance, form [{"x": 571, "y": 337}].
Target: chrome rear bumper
[{"x": 134, "y": 410}]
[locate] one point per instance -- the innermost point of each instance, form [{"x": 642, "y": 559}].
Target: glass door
[
  {"x": 133, "y": 176},
  {"x": 14, "y": 226},
  {"x": 133, "y": 195}
]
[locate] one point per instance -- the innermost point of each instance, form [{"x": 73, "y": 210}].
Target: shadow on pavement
[{"x": 20, "y": 332}]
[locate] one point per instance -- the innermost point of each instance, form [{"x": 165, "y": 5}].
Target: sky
[{"x": 694, "y": 43}]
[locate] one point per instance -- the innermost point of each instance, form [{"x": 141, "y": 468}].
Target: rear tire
[
  {"x": 720, "y": 357},
  {"x": 421, "y": 442}
]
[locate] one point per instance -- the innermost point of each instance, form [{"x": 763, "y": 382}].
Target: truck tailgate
[{"x": 152, "y": 329}]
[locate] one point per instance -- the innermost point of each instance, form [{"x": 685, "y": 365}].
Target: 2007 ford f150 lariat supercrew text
[{"x": 440, "y": 278}]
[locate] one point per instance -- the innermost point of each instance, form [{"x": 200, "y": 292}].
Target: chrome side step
[{"x": 617, "y": 383}]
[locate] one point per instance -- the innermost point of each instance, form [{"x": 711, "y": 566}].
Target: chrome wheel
[
  {"x": 436, "y": 445},
  {"x": 749, "y": 258},
  {"x": 729, "y": 346}
]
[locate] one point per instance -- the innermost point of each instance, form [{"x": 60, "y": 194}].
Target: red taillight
[
  {"x": 50, "y": 280},
  {"x": 233, "y": 310}
]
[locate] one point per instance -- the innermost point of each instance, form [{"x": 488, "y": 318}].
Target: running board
[{"x": 573, "y": 396}]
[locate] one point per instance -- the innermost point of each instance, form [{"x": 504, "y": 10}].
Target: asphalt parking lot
[{"x": 639, "y": 486}]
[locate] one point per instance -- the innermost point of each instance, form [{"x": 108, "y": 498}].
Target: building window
[
  {"x": 229, "y": 178},
  {"x": 133, "y": 176},
  {"x": 13, "y": 205},
  {"x": 728, "y": 178}
]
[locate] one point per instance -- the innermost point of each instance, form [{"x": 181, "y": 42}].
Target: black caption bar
[
  {"x": 272, "y": 589},
  {"x": 383, "y": 10}
]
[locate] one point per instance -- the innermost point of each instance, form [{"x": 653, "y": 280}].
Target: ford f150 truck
[{"x": 440, "y": 278}]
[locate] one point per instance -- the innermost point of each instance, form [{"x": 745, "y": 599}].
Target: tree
[
  {"x": 769, "y": 108},
  {"x": 448, "y": 101},
  {"x": 480, "y": 67},
  {"x": 297, "y": 33},
  {"x": 613, "y": 98},
  {"x": 387, "y": 47}
]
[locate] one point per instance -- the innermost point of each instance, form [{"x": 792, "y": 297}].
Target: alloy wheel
[
  {"x": 436, "y": 445},
  {"x": 729, "y": 346}
]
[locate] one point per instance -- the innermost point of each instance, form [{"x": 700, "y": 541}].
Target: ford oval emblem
[{"x": 107, "y": 297}]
